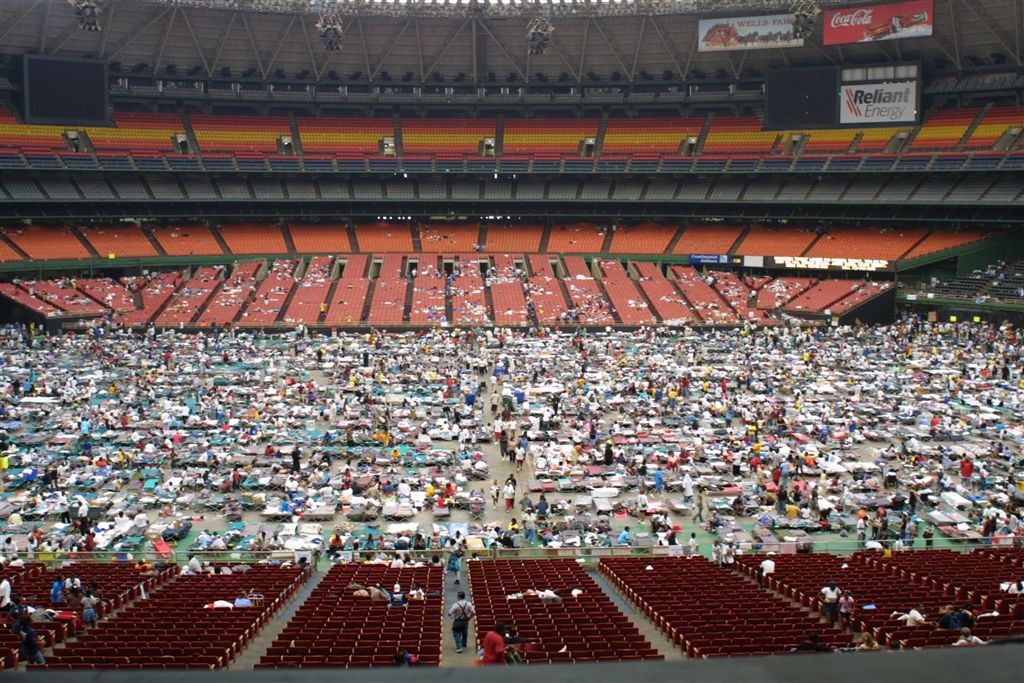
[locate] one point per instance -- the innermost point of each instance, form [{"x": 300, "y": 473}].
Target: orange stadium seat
[
  {"x": 739, "y": 135},
  {"x": 875, "y": 140},
  {"x": 382, "y": 237},
  {"x": 46, "y": 243},
  {"x": 449, "y": 237},
  {"x": 138, "y": 131},
  {"x": 867, "y": 242},
  {"x": 944, "y": 129},
  {"x": 513, "y": 238},
  {"x": 219, "y": 133},
  {"x": 445, "y": 136},
  {"x": 829, "y": 141},
  {"x": 774, "y": 240},
  {"x": 253, "y": 238},
  {"x": 547, "y": 136},
  {"x": 8, "y": 253},
  {"x": 576, "y": 238},
  {"x": 644, "y": 238},
  {"x": 320, "y": 238},
  {"x": 707, "y": 239},
  {"x": 940, "y": 240},
  {"x": 351, "y": 136},
  {"x": 119, "y": 240},
  {"x": 665, "y": 136},
  {"x": 997, "y": 121},
  {"x": 187, "y": 240}
]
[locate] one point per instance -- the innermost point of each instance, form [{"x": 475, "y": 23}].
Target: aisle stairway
[{"x": 257, "y": 647}]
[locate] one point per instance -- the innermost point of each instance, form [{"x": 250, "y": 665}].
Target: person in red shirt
[
  {"x": 966, "y": 469},
  {"x": 494, "y": 645}
]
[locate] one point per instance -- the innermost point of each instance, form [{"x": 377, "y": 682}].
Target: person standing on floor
[
  {"x": 509, "y": 493},
  {"x": 455, "y": 564},
  {"x": 461, "y": 612}
]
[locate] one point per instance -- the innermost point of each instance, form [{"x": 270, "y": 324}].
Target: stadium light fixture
[
  {"x": 804, "y": 14},
  {"x": 330, "y": 26},
  {"x": 87, "y": 12},
  {"x": 538, "y": 35}
]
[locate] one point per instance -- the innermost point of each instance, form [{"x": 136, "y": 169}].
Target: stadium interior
[{"x": 477, "y": 174}]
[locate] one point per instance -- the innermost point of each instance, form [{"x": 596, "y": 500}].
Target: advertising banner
[
  {"x": 823, "y": 263},
  {"x": 747, "y": 33},
  {"x": 866, "y": 24},
  {"x": 709, "y": 259},
  {"x": 878, "y": 103}
]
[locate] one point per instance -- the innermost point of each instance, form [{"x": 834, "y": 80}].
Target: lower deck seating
[
  {"x": 821, "y": 296},
  {"x": 270, "y": 296},
  {"x": 977, "y": 577},
  {"x": 225, "y": 306},
  {"x": 587, "y": 627},
  {"x": 154, "y": 294},
  {"x": 666, "y": 300},
  {"x": 109, "y": 293},
  {"x": 708, "y": 303},
  {"x": 709, "y": 611},
  {"x": 172, "y": 629},
  {"x": 117, "y": 584},
  {"x": 192, "y": 297},
  {"x": 310, "y": 300},
  {"x": 334, "y": 628},
  {"x": 801, "y": 577},
  {"x": 626, "y": 299}
]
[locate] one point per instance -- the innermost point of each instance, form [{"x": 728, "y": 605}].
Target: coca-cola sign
[{"x": 911, "y": 19}]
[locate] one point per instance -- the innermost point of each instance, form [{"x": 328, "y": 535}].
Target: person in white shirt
[
  {"x": 830, "y": 598},
  {"x": 194, "y": 565},
  {"x": 5, "y": 593},
  {"x": 767, "y": 569},
  {"x": 967, "y": 639},
  {"x": 914, "y": 617}
]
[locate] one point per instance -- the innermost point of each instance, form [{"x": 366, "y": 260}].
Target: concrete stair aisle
[
  {"x": 257, "y": 647},
  {"x": 85, "y": 243},
  {"x": 153, "y": 240},
  {"x": 648, "y": 630},
  {"x": 220, "y": 239}
]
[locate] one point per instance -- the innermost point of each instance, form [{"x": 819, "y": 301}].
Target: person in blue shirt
[
  {"x": 57, "y": 590},
  {"x": 623, "y": 538},
  {"x": 243, "y": 601},
  {"x": 659, "y": 481}
]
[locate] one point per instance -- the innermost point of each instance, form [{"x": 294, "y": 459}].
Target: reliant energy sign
[{"x": 878, "y": 103}]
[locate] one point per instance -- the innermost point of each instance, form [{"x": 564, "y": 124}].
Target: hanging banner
[
  {"x": 747, "y": 33},
  {"x": 867, "y": 24}
]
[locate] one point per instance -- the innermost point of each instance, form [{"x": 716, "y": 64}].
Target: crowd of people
[
  {"x": 887, "y": 434},
  {"x": 433, "y": 446}
]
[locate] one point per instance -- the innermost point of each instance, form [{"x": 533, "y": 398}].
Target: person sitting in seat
[
  {"x": 398, "y": 598},
  {"x": 914, "y": 617},
  {"x": 967, "y": 639},
  {"x": 811, "y": 644},
  {"x": 243, "y": 601}
]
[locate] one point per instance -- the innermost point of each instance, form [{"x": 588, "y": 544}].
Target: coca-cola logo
[{"x": 860, "y": 17}]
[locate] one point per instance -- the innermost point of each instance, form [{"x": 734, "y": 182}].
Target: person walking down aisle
[{"x": 461, "y": 612}]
